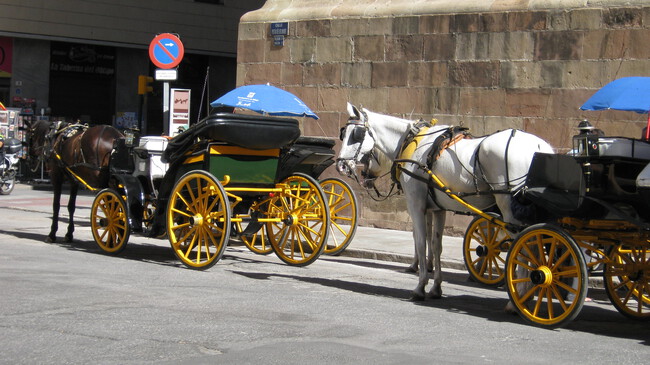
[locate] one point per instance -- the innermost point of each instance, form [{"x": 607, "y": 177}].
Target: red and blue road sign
[{"x": 166, "y": 51}]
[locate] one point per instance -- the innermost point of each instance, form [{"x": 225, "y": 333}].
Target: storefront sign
[{"x": 82, "y": 58}]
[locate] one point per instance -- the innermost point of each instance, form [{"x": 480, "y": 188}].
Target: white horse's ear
[{"x": 353, "y": 111}]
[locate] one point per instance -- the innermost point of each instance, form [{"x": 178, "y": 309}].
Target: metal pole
[{"x": 166, "y": 122}]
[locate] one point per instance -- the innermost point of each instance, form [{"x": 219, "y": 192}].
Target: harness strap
[
  {"x": 457, "y": 196},
  {"x": 69, "y": 170}
]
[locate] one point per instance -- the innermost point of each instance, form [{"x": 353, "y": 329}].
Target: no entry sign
[{"x": 166, "y": 51}]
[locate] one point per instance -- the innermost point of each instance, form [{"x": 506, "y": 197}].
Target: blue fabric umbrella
[
  {"x": 265, "y": 99},
  {"x": 627, "y": 93}
]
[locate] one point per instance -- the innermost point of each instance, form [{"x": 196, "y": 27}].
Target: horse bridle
[{"x": 358, "y": 135}]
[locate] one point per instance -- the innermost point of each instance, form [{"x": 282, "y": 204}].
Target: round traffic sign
[{"x": 166, "y": 50}]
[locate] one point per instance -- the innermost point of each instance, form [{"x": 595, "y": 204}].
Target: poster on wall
[
  {"x": 179, "y": 116},
  {"x": 126, "y": 120}
]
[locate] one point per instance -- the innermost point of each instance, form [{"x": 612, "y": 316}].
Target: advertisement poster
[{"x": 180, "y": 111}]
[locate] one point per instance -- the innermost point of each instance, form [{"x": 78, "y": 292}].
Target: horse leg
[
  {"x": 430, "y": 240},
  {"x": 436, "y": 251},
  {"x": 413, "y": 268},
  {"x": 418, "y": 215},
  {"x": 72, "y": 202},
  {"x": 503, "y": 202},
  {"x": 56, "y": 205}
]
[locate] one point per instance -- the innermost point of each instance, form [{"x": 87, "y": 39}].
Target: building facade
[
  {"x": 80, "y": 59},
  {"x": 488, "y": 65}
]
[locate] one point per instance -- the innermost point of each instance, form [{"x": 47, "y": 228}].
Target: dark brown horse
[{"x": 75, "y": 153}]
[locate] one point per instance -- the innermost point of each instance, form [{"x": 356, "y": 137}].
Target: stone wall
[{"x": 526, "y": 67}]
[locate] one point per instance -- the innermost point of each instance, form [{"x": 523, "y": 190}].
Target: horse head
[
  {"x": 358, "y": 147},
  {"x": 38, "y": 143}
]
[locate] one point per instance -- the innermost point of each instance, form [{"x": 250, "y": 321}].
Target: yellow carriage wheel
[
  {"x": 343, "y": 214},
  {"x": 627, "y": 281},
  {"x": 300, "y": 235},
  {"x": 546, "y": 276},
  {"x": 484, "y": 250},
  {"x": 109, "y": 221},
  {"x": 198, "y": 220}
]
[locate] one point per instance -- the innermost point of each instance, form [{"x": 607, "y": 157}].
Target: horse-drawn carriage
[
  {"x": 251, "y": 177},
  {"x": 558, "y": 219}
]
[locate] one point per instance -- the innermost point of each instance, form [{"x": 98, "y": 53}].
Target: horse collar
[{"x": 411, "y": 142}]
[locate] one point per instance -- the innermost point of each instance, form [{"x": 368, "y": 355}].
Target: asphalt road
[{"x": 70, "y": 303}]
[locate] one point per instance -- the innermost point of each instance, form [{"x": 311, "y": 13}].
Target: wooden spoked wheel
[
  {"x": 546, "y": 276},
  {"x": 484, "y": 249},
  {"x": 343, "y": 214},
  {"x": 109, "y": 221},
  {"x": 198, "y": 220},
  {"x": 627, "y": 281},
  {"x": 301, "y": 234}
]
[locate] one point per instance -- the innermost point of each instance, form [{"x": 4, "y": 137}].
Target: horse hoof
[
  {"x": 416, "y": 297},
  {"x": 49, "y": 239},
  {"x": 67, "y": 239},
  {"x": 435, "y": 293},
  {"x": 411, "y": 270},
  {"x": 510, "y": 308}
]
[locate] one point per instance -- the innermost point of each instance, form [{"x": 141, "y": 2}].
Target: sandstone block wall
[{"x": 488, "y": 70}]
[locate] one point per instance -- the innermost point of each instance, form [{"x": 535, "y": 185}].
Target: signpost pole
[{"x": 166, "y": 109}]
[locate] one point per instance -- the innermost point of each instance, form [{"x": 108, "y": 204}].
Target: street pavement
[{"x": 368, "y": 242}]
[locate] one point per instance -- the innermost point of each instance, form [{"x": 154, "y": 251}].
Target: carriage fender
[
  {"x": 133, "y": 192},
  {"x": 643, "y": 180}
]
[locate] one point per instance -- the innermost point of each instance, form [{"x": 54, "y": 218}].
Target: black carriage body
[
  {"x": 250, "y": 151},
  {"x": 599, "y": 179},
  {"x": 243, "y": 149},
  {"x": 309, "y": 155}
]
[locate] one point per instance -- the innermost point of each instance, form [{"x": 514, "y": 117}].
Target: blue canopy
[
  {"x": 265, "y": 99},
  {"x": 627, "y": 93}
]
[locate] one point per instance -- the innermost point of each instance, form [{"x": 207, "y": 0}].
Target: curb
[{"x": 592, "y": 282}]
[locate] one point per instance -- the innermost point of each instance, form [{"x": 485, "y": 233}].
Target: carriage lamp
[
  {"x": 131, "y": 138},
  {"x": 585, "y": 143}
]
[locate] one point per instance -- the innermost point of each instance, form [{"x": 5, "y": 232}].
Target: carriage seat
[
  {"x": 247, "y": 131},
  {"x": 556, "y": 183}
]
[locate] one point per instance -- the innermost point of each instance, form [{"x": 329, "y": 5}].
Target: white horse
[{"x": 487, "y": 169}]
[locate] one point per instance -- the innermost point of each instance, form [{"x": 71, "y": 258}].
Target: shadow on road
[{"x": 592, "y": 319}]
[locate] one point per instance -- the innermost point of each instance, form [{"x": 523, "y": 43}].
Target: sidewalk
[
  {"x": 397, "y": 246},
  {"x": 368, "y": 243}
]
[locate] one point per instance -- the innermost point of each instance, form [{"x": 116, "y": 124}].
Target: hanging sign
[{"x": 179, "y": 116}]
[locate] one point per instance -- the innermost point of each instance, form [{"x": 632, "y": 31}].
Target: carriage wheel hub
[
  {"x": 482, "y": 251},
  {"x": 542, "y": 276},
  {"x": 292, "y": 220},
  {"x": 196, "y": 220}
]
